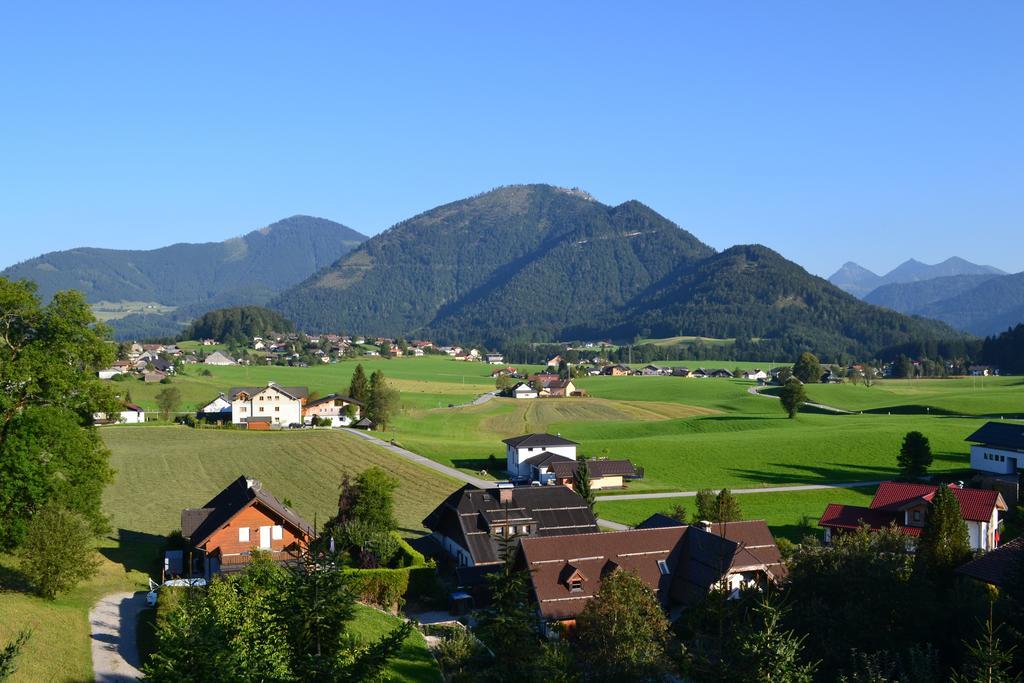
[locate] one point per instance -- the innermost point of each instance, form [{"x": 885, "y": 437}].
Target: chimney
[
  {"x": 505, "y": 489},
  {"x": 253, "y": 483}
]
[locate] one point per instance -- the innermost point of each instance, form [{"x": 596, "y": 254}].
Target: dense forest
[
  {"x": 1006, "y": 351},
  {"x": 237, "y": 325},
  {"x": 534, "y": 263},
  {"x": 192, "y": 277}
]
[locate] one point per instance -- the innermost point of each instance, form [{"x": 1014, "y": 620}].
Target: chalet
[
  {"x": 240, "y": 519},
  {"x": 279, "y": 405},
  {"x": 507, "y": 371},
  {"x": 756, "y": 374},
  {"x": 494, "y": 358},
  {"x": 333, "y": 407},
  {"x": 129, "y": 414},
  {"x": 905, "y": 504},
  {"x": 519, "y": 449},
  {"x": 655, "y": 370},
  {"x": 680, "y": 371},
  {"x": 162, "y": 365},
  {"x": 831, "y": 377},
  {"x": 416, "y": 352},
  {"x": 218, "y": 409},
  {"x": 559, "y": 388},
  {"x": 554, "y": 362},
  {"x": 998, "y": 447},
  {"x": 619, "y": 370},
  {"x": 1002, "y": 567},
  {"x": 681, "y": 564},
  {"x": 718, "y": 373},
  {"x": 523, "y": 390},
  {"x": 219, "y": 358},
  {"x": 470, "y": 523}
]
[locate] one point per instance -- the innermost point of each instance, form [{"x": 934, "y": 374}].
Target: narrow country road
[
  {"x": 451, "y": 471},
  {"x": 768, "y": 489},
  {"x": 820, "y": 406},
  {"x": 112, "y": 622}
]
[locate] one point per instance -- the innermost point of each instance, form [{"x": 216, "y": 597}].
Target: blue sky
[{"x": 869, "y": 131}]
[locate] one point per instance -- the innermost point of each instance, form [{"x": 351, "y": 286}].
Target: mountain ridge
[{"x": 859, "y": 281}]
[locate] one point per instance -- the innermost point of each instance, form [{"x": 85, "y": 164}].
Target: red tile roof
[{"x": 976, "y": 505}]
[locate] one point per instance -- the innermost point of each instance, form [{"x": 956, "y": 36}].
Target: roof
[
  {"x": 657, "y": 521},
  {"x": 838, "y": 516},
  {"x": 292, "y": 392},
  {"x": 1000, "y": 435},
  {"x": 468, "y": 515},
  {"x": 693, "y": 558},
  {"x": 133, "y": 407},
  {"x": 538, "y": 441},
  {"x": 329, "y": 398},
  {"x": 596, "y": 468},
  {"x": 976, "y": 505},
  {"x": 546, "y": 458},
  {"x": 198, "y": 524},
  {"x": 999, "y": 567}
]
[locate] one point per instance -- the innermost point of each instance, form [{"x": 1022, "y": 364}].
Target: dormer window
[
  {"x": 917, "y": 515},
  {"x": 663, "y": 567},
  {"x": 576, "y": 585}
]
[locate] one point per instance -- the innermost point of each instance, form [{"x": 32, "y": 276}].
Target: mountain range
[
  {"x": 536, "y": 262},
  {"x": 184, "y": 280},
  {"x": 860, "y": 281}
]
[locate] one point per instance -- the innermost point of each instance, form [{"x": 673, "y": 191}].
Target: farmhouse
[
  {"x": 218, "y": 358},
  {"x": 333, "y": 407},
  {"x": 619, "y": 370},
  {"x": 218, "y": 409},
  {"x": 756, "y": 374},
  {"x": 519, "y": 449},
  {"x": 559, "y": 388},
  {"x": 154, "y": 377},
  {"x": 274, "y": 404},
  {"x": 681, "y": 564},
  {"x": 243, "y": 517},
  {"x": 494, "y": 358},
  {"x": 523, "y": 390},
  {"x": 655, "y": 370},
  {"x": 905, "y": 505},
  {"x": 130, "y": 414},
  {"x": 470, "y": 523}
]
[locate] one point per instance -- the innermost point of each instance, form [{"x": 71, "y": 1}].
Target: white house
[
  {"x": 495, "y": 358},
  {"x": 282, "y": 405},
  {"x": 219, "y": 358},
  {"x": 523, "y": 390},
  {"x": 130, "y": 414},
  {"x": 108, "y": 373},
  {"x": 333, "y": 407},
  {"x": 522, "y": 448},
  {"x": 755, "y": 374},
  {"x": 218, "y": 408},
  {"x": 998, "y": 447}
]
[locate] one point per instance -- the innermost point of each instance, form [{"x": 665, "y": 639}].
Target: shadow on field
[
  {"x": 811, "y": 474},
  {"x": 496, "y": 470},
  {"x": 12, "y": 579},
  {"x": 796, "y": 532},
  {"x": 136, "y": 550}
]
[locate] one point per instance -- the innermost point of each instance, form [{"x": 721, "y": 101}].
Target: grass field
[
  {"x": 161, "y": 470},
  {"x": 413, "y": 663},
  {"x": 784, "y": 512},
  {"x": 988, "y": 396}
]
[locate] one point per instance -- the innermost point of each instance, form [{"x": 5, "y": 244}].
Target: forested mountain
[
  {"x": 535, "y": 262},
  {"x": 912, "y": 297},
  {"x": 237, "y": 325},
  {"x": 1006, "y": 351},
  {"x": 522, "y": 261},
  {"x": 767, "y": 303},
  {"x": 861, "y": 282},
  {"x": 989, "y": 308},
  {"x": 193, "y": 277}
]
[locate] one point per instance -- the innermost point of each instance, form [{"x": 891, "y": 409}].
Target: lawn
[
  {"x": 986, "y": 396},
  {"x": 413, "y": 663},
  {"x": 784, "y": 511},
  {"x": 161, "y": 470}
]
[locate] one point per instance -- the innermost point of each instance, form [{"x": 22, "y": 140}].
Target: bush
[{"x": 58, "y": 551}]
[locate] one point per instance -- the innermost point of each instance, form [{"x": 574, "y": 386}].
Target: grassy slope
[
  {"x": 784, "y": 512},
  {"x": 414, "y": 661},
  {"x": 994, "y": 396},
  {"x": 161, "y": 470}
]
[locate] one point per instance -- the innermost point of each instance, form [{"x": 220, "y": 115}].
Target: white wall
[
  {"x": 514, "y": 457},
  {"x": 278, "y": 407},
  {"x": 1010, "y": 461}
]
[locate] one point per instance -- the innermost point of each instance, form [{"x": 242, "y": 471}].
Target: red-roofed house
[{"x": 905, "y": 505}]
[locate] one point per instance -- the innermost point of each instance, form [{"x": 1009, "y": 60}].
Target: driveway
[{"x": 112, "y": 621}]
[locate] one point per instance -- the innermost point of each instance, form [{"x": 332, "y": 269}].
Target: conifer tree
[
  {"x": 581, "y": 483},
  {"x": 915, "y": 455},
  {"x": 944, "y": 543},
  {"x": 359, "y": 387},
  {"x": 727, "y": 508}
]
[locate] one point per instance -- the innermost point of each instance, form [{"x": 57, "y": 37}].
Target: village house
[
  {"x": 333, "y": 407},
  {"x": 223, "y": 534},
  {"x": 559, "y": 388},
  {"x": 681, "y": 564},
  {"x": 905, "y": 505},
  {"x": 554, "y": 362},
  {"x": 219, "y": 409},
  {"x": 553, "y": 469},
  {"x": 219, "y": 358},
  {"x": 680, "y": 371},
  {"x": 154, "y": 377},
  {"x": 470, "y": 524},
  {"x": 756, "y": 374},
  {"x": 655, "y": 370},
  {"x": 619, "y": 370},
  {"x": 998, "y": 447},
  {"x": 494, "y": 358},
  {"x": 109, "y": 373},
  {"x": 523, "y": 390},
  {"x": 272, "y": 404},
  {"x": 129, "y": 414},
  {"x": 519, "y": 449},
  {"x": 1000, "y": 567}
]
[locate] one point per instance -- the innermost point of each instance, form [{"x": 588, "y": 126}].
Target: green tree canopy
[
  {"x": 168, "y": 399},
  {"x": 359, "y": 387},
  {"x": 581, "y": 483},
  {"x": 807, "y": 368},
  {"x": 383, "y": 401},
  {"x": 944, "y": 543},
  {"x": 792, "y": 396},
  {"x": 915, "y": 455},
  {"x": 58, "y": 551}
]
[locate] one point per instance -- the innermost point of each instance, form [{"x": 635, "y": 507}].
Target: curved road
[
  {"x": 112, "y": 622},
  {"x": 820, "y": 406}
]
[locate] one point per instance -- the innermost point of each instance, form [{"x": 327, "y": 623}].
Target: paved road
[
  {"x": 820, "y": 406},
  {"x": 451, "y": 471},
  {"x": 770, "y": 489},
  {"x": 112, "y": 621}
]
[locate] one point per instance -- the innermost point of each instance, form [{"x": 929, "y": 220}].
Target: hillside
[
  {"x": 860, "y": 281},
  {"x": 534, "y": 262},
  {"x": 522, "y": 261},
  {"x": 237, "y": 325},
  {"x": 912, "y": 297},
  {"x": 991, "y": 307},
  {"x": 751, "y": 292},
  {"x": 192, "y": 278}
]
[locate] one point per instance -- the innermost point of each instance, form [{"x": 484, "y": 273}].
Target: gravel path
[{"x": 112, "y": 621}]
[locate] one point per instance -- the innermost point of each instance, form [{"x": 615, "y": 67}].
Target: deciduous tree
[
  {"x": 792, "y": 396},
  {"x": 807, "y": 368},
  {"x": 168, "y": 399},
  {"x": 58, "y": 551}
]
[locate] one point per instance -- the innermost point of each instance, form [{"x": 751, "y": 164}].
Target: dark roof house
[
  {"x": 1000, "y": 567},
  {"x": 538, "y": 441}
]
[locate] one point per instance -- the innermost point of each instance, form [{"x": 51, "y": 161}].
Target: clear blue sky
[{"x": 871, "y": 131}]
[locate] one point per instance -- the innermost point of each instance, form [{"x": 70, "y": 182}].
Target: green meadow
[{"x": 987, "y": 396}]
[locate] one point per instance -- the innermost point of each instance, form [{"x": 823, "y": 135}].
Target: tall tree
[
  {"x": 727, "y": 508},
  {"x": 792, "y": 396},
  {"x": 58, "y": 551},
  {"x": 581, "y": 483},
  {"x": 49, "y": 357},
  {"x": 706, "y": 505},
  {"x": 375, "y": 499},
  {"x": 988, "y": 659},
  {"x": 807, "y": 368},
  {"x": 359, "y": 387},
  {"x": 168, "y": 399},
  {"x": 944, "y": 543},
  {"x": 622, "y": 633},
  {"x": 915, "y": 455},
  {"x": 383, "y": 400}
]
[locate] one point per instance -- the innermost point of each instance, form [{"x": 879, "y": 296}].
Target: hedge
[{"x": 389, "y": 588}]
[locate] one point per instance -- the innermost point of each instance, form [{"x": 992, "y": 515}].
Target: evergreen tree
[
  {"x": 769, "y": 653},
  {"x": 807, "y": 368},
  {"x": 792, "y": 396},
  {"x": 915, "y": 455},
  {"x": 944, "y": 543},
  {"x": 581, "y": 483},
  {"x": 988, "y": 660},
  {"x": 383, "y": 400},
  {"x": 359, "y": 387},
  {"x": 727, "y": 508},
  {"x": 706, "y": 505},
  {"x": 677, "y": 512},
  {"x": 9, "y": 653}
]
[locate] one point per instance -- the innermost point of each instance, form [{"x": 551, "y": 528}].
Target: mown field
[
  {"x": 161, "y": 470},
  {"x": 989, "y": 396}
]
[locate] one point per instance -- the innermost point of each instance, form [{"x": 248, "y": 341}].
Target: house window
[
  {"x": 917, "y": 515},
  {"x": 277, "y": 409},
  {"x": 277, "y": 533},
  {"x": 243, "y": 534},
  {"x": 525, "y": 529},
  {"x": 663, "y": 567},
  {"x": 576, "y": 584}
]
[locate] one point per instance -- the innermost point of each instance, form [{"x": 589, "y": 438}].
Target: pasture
[{"x": 985, "y": 396}]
